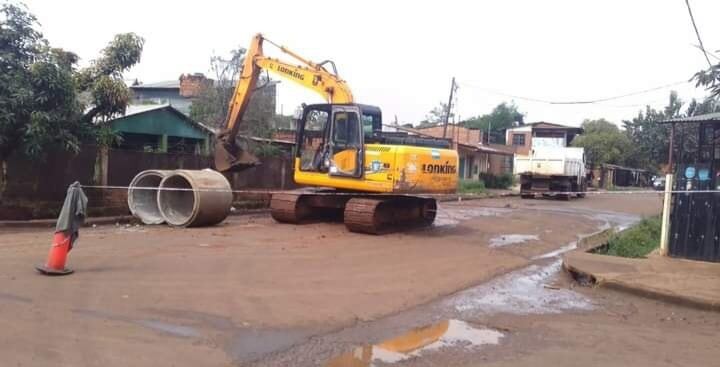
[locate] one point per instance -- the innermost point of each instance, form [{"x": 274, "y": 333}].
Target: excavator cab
[{"x": 330, "y": 140}]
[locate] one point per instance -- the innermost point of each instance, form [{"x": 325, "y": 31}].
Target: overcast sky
[{"x": 401, "y": 55}]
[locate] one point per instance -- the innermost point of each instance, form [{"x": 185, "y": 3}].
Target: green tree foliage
[
  {"x": 710, "y": 79},
  {"x": 43, "y": 96},
  {"x": 502, "y": 117},
  {"x": 38, "y": 104},
  {"x": 102, "y": 84},
  {"x": 436, "y": 116},
  {"x": 604, "y": 143},
  {"x": 650, "y": 140}
]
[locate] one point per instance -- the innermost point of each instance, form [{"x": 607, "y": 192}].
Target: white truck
[{"x": 552, "y": 170}]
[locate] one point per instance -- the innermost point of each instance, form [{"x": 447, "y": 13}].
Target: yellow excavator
[{"x": 373, "y": 179}]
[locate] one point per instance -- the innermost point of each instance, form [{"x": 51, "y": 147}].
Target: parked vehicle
[
  {"x": 552, "y": 171},
  {"x": 658, "y": 183}
]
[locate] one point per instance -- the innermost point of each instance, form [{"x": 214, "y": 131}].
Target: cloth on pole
[{"x": 73, "y": 212}]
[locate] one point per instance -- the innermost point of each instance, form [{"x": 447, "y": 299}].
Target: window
[
  {"x": 346, "y": 144},
  {"x": 311, "y": 148},
  {"x": 518, "y": 139}
]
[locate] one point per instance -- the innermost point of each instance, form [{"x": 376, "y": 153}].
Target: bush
[
  {"x": 503, "y": 181},
  {"x": 470, "y": 186},
  {"x": 637, "y": 241}
]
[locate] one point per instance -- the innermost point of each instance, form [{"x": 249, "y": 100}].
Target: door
[{"x": 346, "y": 143}]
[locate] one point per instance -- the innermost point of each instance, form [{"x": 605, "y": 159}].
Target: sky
[{"x": 401, "y": 55}]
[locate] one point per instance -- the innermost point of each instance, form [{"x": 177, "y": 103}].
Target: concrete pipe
[
  {"x": 208, "y": 203},
  {"x": 143, "y": 202}
]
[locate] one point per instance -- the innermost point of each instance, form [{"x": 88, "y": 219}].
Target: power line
[
  {"x": 532, "y": 99},
  {"x": 697, "y": 33}
]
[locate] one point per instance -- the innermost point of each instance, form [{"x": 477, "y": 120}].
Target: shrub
[
  {"x": 470, "y": 186},
  {"x": 503, "y": 181},
  {"x": 637, "y": 241}
]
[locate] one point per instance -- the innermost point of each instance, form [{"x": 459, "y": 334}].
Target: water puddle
[
  {"x": 452, "y": 216},
  {"x": 509, "y": 239},
  {"x": 163, "y": 327},
  {"x": 520, "y": 292},
  {"x": 445, "y": 334},
  {"x": 569, "y": 247},
  {"x": 167, "y": 328},
  {"x": 249, "y": 344}
]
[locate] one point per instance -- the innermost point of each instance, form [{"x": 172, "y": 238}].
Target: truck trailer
[{"x": 552, "y": 171}]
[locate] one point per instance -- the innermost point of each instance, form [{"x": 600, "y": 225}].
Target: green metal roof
[{"x": 159, "y": 120}]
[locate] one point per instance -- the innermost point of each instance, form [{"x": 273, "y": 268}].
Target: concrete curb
[{"x": 588, "y": 277}]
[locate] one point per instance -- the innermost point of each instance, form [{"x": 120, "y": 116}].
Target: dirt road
[{"x": 253, "y": 292}]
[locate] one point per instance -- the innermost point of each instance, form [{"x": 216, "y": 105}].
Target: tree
[
  {"x": 710, "y": 79},
  {"x": 502, "y": 117},
  {"x": 211, "y": 106},
  {"x": 42, "y": 96},
  {"x": 436, "y": 116},
  {"x": 38, "y": 104},
  {"x": 102, "y": 84},
  {"x": 604, "y": 143},
  {"x": 650, "y": 139}
]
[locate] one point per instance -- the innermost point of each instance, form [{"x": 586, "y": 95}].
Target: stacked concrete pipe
[
  {"x": 192, "y": 198},
  {"x": 142, "y": 199}
]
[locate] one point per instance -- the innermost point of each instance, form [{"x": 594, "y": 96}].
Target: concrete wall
[{"x": 520, "y": 149}]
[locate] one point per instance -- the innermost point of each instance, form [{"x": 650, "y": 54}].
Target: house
[
  {"x": 611, "y": 175},
  {"x": 520, "y": 138},
  {"x": 180, "y": 93},
  {"x": 161, "y": 129},
  {"x": 170, "y": 92},
  {"x": 475, "y": 157}
]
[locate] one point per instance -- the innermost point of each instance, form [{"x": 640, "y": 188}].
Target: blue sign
[
  {"x": 690, "y": 172},
  {"x": 704, "y": 174}
]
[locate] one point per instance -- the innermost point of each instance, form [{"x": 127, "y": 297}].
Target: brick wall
[
  {"x": 191, "y": 85},
  {"x": 459, "y": 134}
]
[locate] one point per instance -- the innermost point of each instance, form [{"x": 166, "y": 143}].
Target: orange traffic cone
[{"x": 58, "y": 256}]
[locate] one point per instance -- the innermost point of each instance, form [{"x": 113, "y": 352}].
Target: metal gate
[{"x": 695, "y": 217}]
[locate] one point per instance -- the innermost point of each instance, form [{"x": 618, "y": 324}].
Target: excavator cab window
[
  {"x": 313, "y": 146},
  {"x": 346, "y": 145}
]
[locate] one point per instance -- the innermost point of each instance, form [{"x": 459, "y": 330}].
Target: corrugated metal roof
[
  {"x": 134, "y": 109},
  {"x": 708, "y": 117},
  {"x": 167, "y": 84},
  {"x": 131, "y": 110}
]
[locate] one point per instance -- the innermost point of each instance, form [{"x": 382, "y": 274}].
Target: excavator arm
[{"x": 228, "y": 156}]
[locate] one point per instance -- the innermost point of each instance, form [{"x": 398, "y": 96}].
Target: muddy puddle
[
  {"x": 449, "y": 216},
  {"x": 511, "y": 239},
  {"x": 526, "y": 291},
  {"x": 417, "y": 342}
]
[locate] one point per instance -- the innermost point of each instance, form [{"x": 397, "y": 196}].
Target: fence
[{"x": 36, "y": 188}]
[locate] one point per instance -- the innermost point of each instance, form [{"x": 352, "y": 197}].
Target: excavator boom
[{"x": 228, "y": 155}]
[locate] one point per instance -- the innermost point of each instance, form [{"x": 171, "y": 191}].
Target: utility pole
[{"x": 453, "y": 86}]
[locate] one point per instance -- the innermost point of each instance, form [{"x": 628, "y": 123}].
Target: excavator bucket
[{"x": 229, "y": 157}]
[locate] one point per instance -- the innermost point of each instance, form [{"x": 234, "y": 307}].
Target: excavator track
[
  {"x": 389, "y": 214},
  {"x": 379, "y": 214},
  {"x": 289, "y": 207}
]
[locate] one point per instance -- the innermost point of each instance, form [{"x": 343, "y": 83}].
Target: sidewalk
[{"x": 685, "y": 282}]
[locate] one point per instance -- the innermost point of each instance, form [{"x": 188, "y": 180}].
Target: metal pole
[
  {"x": 670, "y": 153},
  {"x": 665, "y": 229},
  {"x": 667, "y": 199},
  {"x": 449, "y": 108}
]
